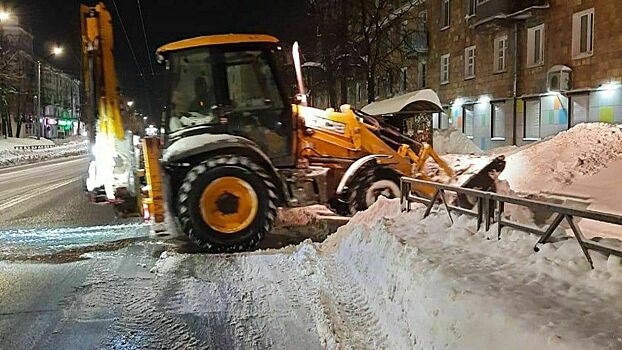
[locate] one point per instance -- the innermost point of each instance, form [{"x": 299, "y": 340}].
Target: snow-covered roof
[{"x": 417, "y": 101}]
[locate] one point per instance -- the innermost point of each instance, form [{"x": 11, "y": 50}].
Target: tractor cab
[{"x": 229, "y": 85}]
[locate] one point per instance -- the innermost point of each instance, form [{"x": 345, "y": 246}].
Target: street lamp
[
  {"x": 130, "y": 103},
  {"x": 56, "y": 51},
  {"x": 4, "y": 16}
]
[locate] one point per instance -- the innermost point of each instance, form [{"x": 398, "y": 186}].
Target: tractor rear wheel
[
  {"x": 227, "y": 204},
  {"x": 371, "y": 182}
]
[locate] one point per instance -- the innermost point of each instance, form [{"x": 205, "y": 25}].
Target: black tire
[
  {"x": 363, "y": 181},
  {"x": 189, "y": 210}
]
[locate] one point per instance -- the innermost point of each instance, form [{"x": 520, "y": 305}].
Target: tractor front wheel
[
  {"x": 227, "y": 204},
  {"x": 370, "y": 183}
]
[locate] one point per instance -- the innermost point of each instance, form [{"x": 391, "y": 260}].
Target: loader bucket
[{"x": 476, "y": 172}]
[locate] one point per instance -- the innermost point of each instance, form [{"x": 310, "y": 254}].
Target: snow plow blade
[{"x": 470, "y": 171}]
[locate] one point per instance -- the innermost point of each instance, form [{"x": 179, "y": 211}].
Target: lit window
[
  {"x": 445, "y": 69},
  {"x": 468, "y": 114},
  {"x": 532, "y": 119},
  {"x": 499, "y": 111},
  {"x": 501, "y": 47},
  {"x": 583, "y": 34},
  {"x": 535, "y": 46},
  {"x": 469, "y": 62}
]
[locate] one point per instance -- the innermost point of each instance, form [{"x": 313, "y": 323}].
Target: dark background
[{"x": 58, "y": 22}]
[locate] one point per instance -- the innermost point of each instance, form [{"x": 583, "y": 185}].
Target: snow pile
[
  {"x": 11, "y": 157},
  {"x": 287, "y": 217},
  {"x": 392, "y": 280},
  {"x": 554, "y": 163},
  {"x": 9, "y": 143},
  {"x": 70, "y": 139},
  {"x": 434, "y": 285},
  {"x": 453, "y": 141}
]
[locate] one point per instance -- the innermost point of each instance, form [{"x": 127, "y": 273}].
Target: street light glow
[
  {"x": 130, "y": 103},
  {"x": 57, "y": 50},
  {"x": 4, "y": 15}
]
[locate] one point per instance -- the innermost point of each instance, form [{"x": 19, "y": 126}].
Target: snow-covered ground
[
  {"x": 395, "y": 280},
  {"x": 9, "y": 156}
]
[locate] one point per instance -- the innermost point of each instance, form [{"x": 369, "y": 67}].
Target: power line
[
  {"x": 140, "y": 71},
  {"x": 128, "y": 40},
  {"x": 142, "y": 22}
]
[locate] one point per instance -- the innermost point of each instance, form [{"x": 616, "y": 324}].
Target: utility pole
[{"x": 38, "y": 116}]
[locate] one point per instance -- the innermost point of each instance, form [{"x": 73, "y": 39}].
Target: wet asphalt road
[
  {"x": 48, "y": 195},
  {"x": 54, "y": 245},
  {"x": 75, "y": 276}
]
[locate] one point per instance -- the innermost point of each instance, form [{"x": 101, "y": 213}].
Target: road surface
[
  {"x": 49, "y": 194},
  {"x": 73, "y": 275}
]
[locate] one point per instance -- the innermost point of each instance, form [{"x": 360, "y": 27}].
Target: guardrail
[
  {"x": 33, "y": 147},
  {"x": 490, "y": 208}
]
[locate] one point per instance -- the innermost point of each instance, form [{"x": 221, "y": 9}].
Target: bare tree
[
  {"x": 10, "y": 76},
  {"x": 329, "y": 44},
  {"x": 365, "y": 38}
]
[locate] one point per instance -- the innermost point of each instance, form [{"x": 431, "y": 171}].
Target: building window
[
  {"x": 535, "y": 46},
  {"x": 469, "y": 62},
  {"x": 472, "y": 7},
  {"x": 499, "y": 112},
  {"x": 532, "y": 120},
  {"x": 580, "y": 109},
  {"x": 445, "y": 69},
  {"x": 403, "y": 79},
  {"x": 358, "y": 92},
  {"x": 468, "y": 114},
  {"x": 422, "y": 75},
  {"x": 445, "y": 19},
  {"x": 501, "y": 48},
  {"x": 583, "y": 34}
]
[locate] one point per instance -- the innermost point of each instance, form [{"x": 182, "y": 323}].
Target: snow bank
[
  {"x": 9, "y": 143},
  {"x": 453, "y": 141},
  {"x": 553, "y": 163},
  {"x": 433, "y": 285},
  {"x": 392, "y": 280},
  {"x": 11, "y": 157}
]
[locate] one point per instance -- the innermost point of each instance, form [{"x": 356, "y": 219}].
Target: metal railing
[
  {"x": 31, "y": 147},
  {"x": 490, "y": 207}
]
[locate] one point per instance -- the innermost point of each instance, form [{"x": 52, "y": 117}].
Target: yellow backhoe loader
[{"x": 236, "y": 147}]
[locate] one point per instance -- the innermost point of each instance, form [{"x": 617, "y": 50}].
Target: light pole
[
  {"x": 4, "y": 16},
  {"x": 56, "y": 51}
]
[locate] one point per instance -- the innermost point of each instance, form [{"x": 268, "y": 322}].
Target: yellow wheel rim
[{"x": 229, "y": 204}]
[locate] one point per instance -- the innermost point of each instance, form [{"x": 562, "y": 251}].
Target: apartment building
[{"x": 512, "y": 71}]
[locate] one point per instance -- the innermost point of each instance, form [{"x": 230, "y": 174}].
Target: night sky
[{"x": 57, "y": 21}]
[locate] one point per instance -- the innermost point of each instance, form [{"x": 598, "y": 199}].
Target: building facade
[
  {"x": 512, "y": 72},
  {"x": 60, "y": 104}
]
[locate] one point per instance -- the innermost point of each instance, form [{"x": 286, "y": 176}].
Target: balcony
[{"x": 500, "y": 9}]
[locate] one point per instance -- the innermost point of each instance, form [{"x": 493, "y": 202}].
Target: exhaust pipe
[{"x": 298, "y": 66}]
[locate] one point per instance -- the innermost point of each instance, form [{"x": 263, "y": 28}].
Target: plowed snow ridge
[{"x": 393, "y": 280}]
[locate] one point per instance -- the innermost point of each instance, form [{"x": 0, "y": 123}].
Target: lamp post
[{"x": 56, "y": 51}]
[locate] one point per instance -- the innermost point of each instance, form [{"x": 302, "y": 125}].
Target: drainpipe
[{"x": 515, "y": 86}]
